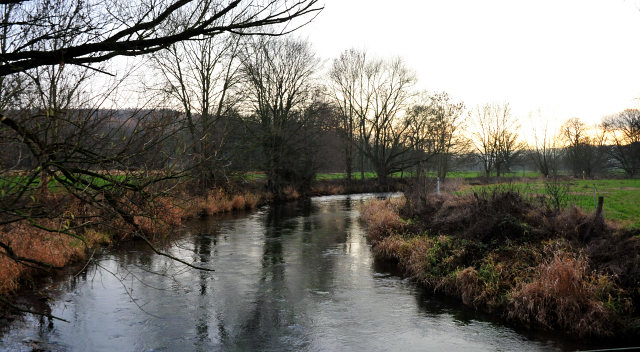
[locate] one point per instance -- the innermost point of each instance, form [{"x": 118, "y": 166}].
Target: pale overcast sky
[{"x": 570, "y": 58}]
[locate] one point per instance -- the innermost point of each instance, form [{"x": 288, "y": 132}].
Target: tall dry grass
[
  {"x": 327, "y": 188},
  {"x": 381, "y": 216},
  {"x": 54, "y": 249},
  {"x": 219, "y": 201},
  {"x": 155, "y": 219},
  {"x": 562, "y": 294}
]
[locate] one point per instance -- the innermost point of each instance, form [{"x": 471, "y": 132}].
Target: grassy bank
[
  {"x": 156, "y": 218},
  {"x": 501, "y": 252}
]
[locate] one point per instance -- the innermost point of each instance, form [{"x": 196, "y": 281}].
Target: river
[{"x": 294, "y": 277}]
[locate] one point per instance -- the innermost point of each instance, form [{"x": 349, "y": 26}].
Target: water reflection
[{"x": 295, "y": 277}]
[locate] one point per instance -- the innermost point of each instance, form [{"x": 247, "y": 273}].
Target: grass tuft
[{"x": 381, "y": 216}]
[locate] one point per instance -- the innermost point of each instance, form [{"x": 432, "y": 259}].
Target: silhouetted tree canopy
[{"x": 58, "y": 32}]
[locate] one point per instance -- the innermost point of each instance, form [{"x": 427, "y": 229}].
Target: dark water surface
[{"x": 296, "y": 277}]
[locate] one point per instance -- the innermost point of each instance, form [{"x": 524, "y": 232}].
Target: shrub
[
  {"x": 251, "y": 200},
  {"x": 290, "y": 193}
]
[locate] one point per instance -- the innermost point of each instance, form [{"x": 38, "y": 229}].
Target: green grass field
[
  {"x": 341, "y": 176},
  {"x": 456, "y": 174},
  {"x": 621, "y": 197}
]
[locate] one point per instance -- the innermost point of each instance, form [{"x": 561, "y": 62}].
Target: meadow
[{"x": 621, "y": 196}]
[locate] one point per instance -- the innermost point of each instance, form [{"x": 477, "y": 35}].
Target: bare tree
[
  {"x": 495, "y": 136},
  {"x": 347, "y": 89},
  {"x": 384, "y": 137},
  {"x": 585, "y": 147},
  {"x": 280, "y": 82},
  {"x": 373, "y": 94},
  {"x": 510, "y": 151},
  {"x": 624, "y": 131},
  {"x": 574, "y": 133},
  {"x": 546, "y": 149},
  {"x": 200, "y": 77},
  {"x": 435, "y": 126}
]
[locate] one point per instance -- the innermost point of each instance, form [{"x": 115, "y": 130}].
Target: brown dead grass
[
  {"x": 290, "y": 193},
  {"x": 51, "y": 248},
  {"x": 219, "y": 201},
  {"x": 155, "y": 219},
  {"x": 328, "y": 188},
  {"x": 381, "y": 217},
  {"x": 561, "y": 294}
]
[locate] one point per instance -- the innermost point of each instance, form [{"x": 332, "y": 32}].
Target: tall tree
[
  {"x": 435, "y": 126},
  {"x": 624, "y": 131},
  {"x": 199, "y": 77},
  {"x": 495, "y": 136},
  {"x": 546, "y": 149},
  {"x": 347, "y": 82},
  {"x": 280, "y": 80},
  {"x": 373, "y": 94},
  {"x": 585, "y": 147},
  {"x": 384, "y": 139}
]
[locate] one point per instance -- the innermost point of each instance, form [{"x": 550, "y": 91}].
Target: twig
[
  {"x": 48, "y": 315},
  {"x": 85, "y": 265},
  {"x": 121, "y": 281},
  {"x": 153, "y": 248}
]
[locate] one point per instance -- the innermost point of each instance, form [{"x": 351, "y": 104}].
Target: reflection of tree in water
[
  {"x": 301, "y": 243},
  {"x": 268, "y": 312},
  {"x": 279, "y": 221},
  {"x": 202, "y": 332},
  {"x": 301, "y": 247},
  {"x": 204, "y": 246}
]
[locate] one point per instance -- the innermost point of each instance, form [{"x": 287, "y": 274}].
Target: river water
[{"x": 294, "y": 277}]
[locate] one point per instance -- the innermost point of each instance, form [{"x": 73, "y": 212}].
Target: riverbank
[
  {"x": 50, "y": 251},
  {"x": 508, "y": 254},
  {"x": 307, "y": 257}
]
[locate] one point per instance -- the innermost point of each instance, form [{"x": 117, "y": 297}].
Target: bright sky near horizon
[{"x": 570, "y": 58}]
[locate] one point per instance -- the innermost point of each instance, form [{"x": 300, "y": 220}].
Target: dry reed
[{"x": 381, "y": 217}]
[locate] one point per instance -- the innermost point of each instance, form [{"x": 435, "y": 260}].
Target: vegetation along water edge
[
  {"x": 40, "y": 248},
  {"x": 515, "y": 254}
]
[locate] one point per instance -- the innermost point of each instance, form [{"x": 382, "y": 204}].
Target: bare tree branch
[{"x": 99, "y": 33}]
